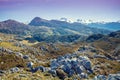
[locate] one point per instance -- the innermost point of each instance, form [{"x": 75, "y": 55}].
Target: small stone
[
  {"x": 26, "y": 57},
  {"x": 30, "y": 64},
  {"x": 15, "y": 69}
]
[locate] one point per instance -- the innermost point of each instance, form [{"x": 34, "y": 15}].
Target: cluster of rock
[
  {"x": 11, "y": 70},
  {"x": 71, "y": 64},
  {"x": 90, "y": 49},
  {"x": 35, "y": 69},
  {"x": 5, "y": 50},
  {"x": 67, "y": 66}
]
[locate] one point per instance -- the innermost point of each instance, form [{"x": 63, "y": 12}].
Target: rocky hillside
[
  {"x": 109, "y": 44},
  {"x": 97, "y": 58}
]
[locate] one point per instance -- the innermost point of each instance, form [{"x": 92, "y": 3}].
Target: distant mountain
[
  {"x": 55, "y": 30},
  {"x": 114, "y": 26},
  {"x": 66, "y": 28},
  {"x": 39, "y": 22},
  {"x": 47, "y": 30},
  {"x": 13, "y": 27}
]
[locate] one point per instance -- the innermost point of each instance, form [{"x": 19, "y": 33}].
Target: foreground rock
[{"x": 71, "y": 64}]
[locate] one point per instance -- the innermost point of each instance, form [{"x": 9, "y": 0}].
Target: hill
[{"x": 13, "y": 27}]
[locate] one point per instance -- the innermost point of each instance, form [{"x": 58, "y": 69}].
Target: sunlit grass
[
  {"x": 8, "y": 61},
  {"x": 9, "y": 45}
]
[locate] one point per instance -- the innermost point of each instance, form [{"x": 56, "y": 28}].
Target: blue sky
[{"x": 25, "y": 10}]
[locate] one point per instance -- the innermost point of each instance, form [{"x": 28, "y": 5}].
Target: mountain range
[
  {"x": 113, "y": 26},
  {"x": 53, "y": 30},
  {"x": 66, "y": 28}
]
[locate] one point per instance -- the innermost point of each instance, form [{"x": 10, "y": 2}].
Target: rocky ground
[{"x": 20, "y": 60}]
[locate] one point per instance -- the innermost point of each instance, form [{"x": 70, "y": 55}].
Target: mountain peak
[
  {"x": 37, "y": 18},
  {"x": 37, "y": 21}
]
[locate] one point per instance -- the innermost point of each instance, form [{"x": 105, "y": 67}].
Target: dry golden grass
[
  {"x": 106, "y": 66},
  {"x": 9, "y": 45},
  {"x": 107, "y": 46},
  {"x": 8, "y": 61},
  {"x": 51, "y": 53}
]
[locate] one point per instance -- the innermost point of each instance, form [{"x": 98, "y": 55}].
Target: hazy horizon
[{"x": 26, "y": 10}]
